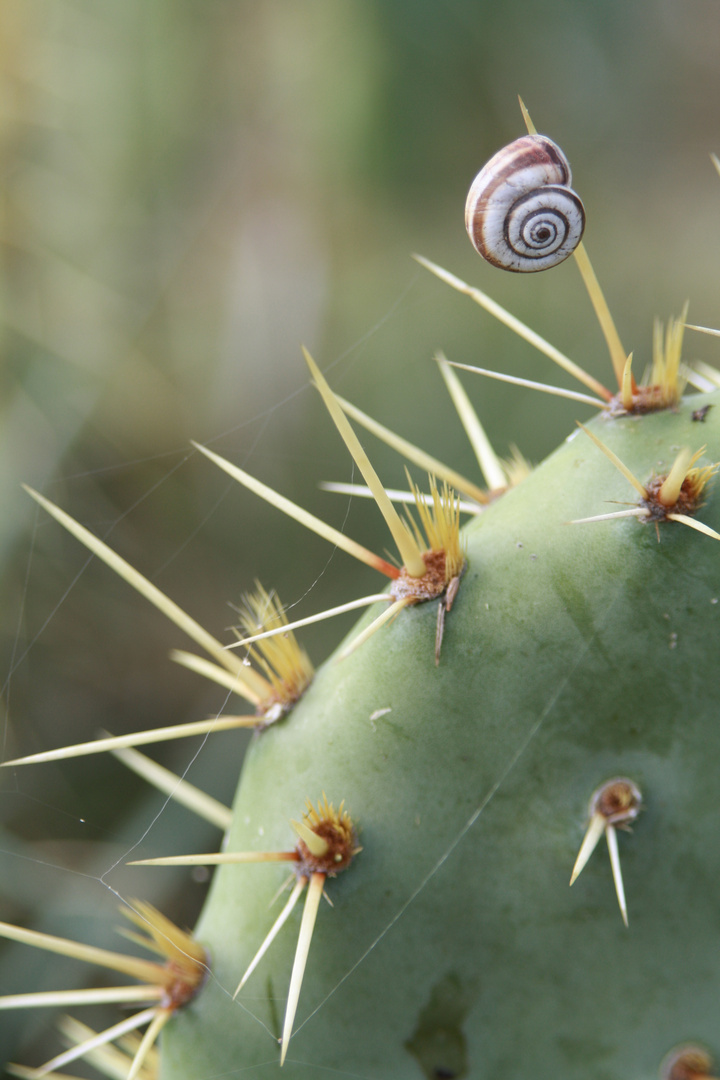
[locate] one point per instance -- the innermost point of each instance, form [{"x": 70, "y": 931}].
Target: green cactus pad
[{"x": 455, "y": 946}]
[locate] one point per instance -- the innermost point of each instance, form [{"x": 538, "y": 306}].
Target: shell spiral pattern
[{"x": 521, "y": 213}]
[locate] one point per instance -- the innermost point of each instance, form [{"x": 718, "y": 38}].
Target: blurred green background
[{"x": 190, "y": 190}]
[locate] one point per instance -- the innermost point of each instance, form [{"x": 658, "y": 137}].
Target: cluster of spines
[
  {"x": 326, "y": 845},
  {"x": 163, "y": 987}
]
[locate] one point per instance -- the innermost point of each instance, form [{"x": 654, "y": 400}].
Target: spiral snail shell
[{"x": 521, "y": 213}]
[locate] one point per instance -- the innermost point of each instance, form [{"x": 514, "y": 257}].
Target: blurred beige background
[{"x": 192, "y": 189}]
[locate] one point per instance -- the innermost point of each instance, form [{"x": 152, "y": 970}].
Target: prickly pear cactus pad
[
  {"x": 573, "y": 654},
  {"x": 503, "y": 781}
]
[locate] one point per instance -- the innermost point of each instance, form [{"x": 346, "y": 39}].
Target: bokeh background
[{"x": 190, "y": 190}]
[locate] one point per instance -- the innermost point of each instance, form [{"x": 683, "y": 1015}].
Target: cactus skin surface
[{"x": 455, "y": 948}]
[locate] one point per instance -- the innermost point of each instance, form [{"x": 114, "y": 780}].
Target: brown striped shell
[{"x": 521, "y": 213}]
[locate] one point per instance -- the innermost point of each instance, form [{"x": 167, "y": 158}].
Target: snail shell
[{"x": 521, "y": 213}]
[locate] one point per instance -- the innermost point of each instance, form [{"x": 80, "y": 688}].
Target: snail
[{"x": 521, "y": 213}]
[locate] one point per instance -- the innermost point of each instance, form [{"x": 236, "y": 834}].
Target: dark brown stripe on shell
[{"x": 524, "y": 153}]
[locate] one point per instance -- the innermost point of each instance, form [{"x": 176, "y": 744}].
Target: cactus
[{"x": 543, "y": 685}]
